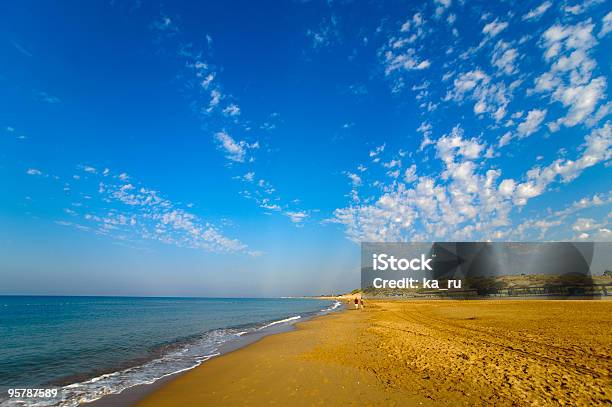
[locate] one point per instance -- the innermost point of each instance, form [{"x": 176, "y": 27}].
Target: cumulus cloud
[
  {"x": 591, "y": 229},
  {"x": 467, "y": 199},
  {"x": 432, "y": 207},
  {"x": 569, "y": 79},
  {"x": 490, "y": 97},
  {"x": 584, "y": 225},
  {"x": 532, "y": 122},
  {"x": 505, "y": 58}
]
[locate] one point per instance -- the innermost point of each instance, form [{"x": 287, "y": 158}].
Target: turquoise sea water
[{"x": 91, "y": 346}]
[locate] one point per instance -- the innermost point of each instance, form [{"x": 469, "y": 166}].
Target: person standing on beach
[{"x": 356, "y": 303}]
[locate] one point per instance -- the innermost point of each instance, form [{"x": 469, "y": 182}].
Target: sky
[{"x": 246, "y": 148}]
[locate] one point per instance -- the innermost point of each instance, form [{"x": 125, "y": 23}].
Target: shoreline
[
  {"x": 416, "y": 353},
  {"x": 132, "y": 395}
]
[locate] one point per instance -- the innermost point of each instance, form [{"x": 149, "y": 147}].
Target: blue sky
[{"x": 246, "y": 148}]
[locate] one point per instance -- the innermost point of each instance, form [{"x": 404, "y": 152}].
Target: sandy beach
[{"x": 524, "y": 352}]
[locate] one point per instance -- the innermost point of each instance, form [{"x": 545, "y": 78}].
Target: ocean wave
[
  {"x": 281, "y": 321},
  {"x": 179, "y": 360},
  {"x": 334, "y": 306},
  {"x": 182, "y": 358}
]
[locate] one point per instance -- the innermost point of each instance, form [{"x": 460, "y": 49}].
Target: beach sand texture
[{"x": 505, "y": 352}]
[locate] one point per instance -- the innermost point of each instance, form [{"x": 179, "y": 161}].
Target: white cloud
[
  {"x": 165, "y": 24},
  {"x": 580, "y": 100},
  {"x": 442, "y": 6},
  {"x": 532, "y": 122},
  {"x": 454, "y": 145},
  {"x": 407, "y": 61},
  {"x": 506, "y": 187},
  {"x": 392, "y": 164},
  {"x": 606, "y": 25},
  {"x": 468, "y": 199},
  {"x": 249, "y": 176},
  {"x": 33, "y": 171},
  {"x": 438, "y": 206},
  {"x": 377, "y": 150},
  {"x": 272, "y": 207},
  {"x": 595, "y": 150},
  {"x": 490, "y": 97},
  {"x": 505, "y": 139},
  {"x": 584, "y": 225},
  {"x": 399, "y": 55},
  {"x": 215, "y": 99},
  {"x": 425, "y": 129},
  {"x": 208, "y": 80},
  {"x": 231, "y": 110},
  {"x": 134, "y": 213},
  {"x": 296, "y": 216},
  {"x": 537, "y": 12},
  {"x": 494, "y": 28},
  {"x": 505, "y": 58},
  {"x": 582, "y": 6},
  {"x": 410, "y": 174},
  {"x": 569, "y": 79},
  {"x": 560, "y": 218},
  {"x": 234, "y": 150},
  {"x": 355, "y": 179}
]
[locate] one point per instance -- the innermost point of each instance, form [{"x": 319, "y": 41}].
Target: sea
[{"x": 88, "y": 347}]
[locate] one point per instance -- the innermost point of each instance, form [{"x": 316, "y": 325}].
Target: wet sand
[{"x": 502, "y": 352}]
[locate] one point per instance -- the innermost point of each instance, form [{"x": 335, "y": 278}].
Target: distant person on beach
[
  {"x": 361, "y": 303},
  {"x": 356, "y": 303}
]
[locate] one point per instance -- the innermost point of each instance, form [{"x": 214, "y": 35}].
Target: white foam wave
[
  {"x": 176, "y": 361},
  {"x": 332, "y": 307},
  {"x": 179, "y": 360},
  {"x": 281, "y": 321}
]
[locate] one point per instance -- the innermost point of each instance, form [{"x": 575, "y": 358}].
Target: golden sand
[{"x": 418, "y": 353}]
